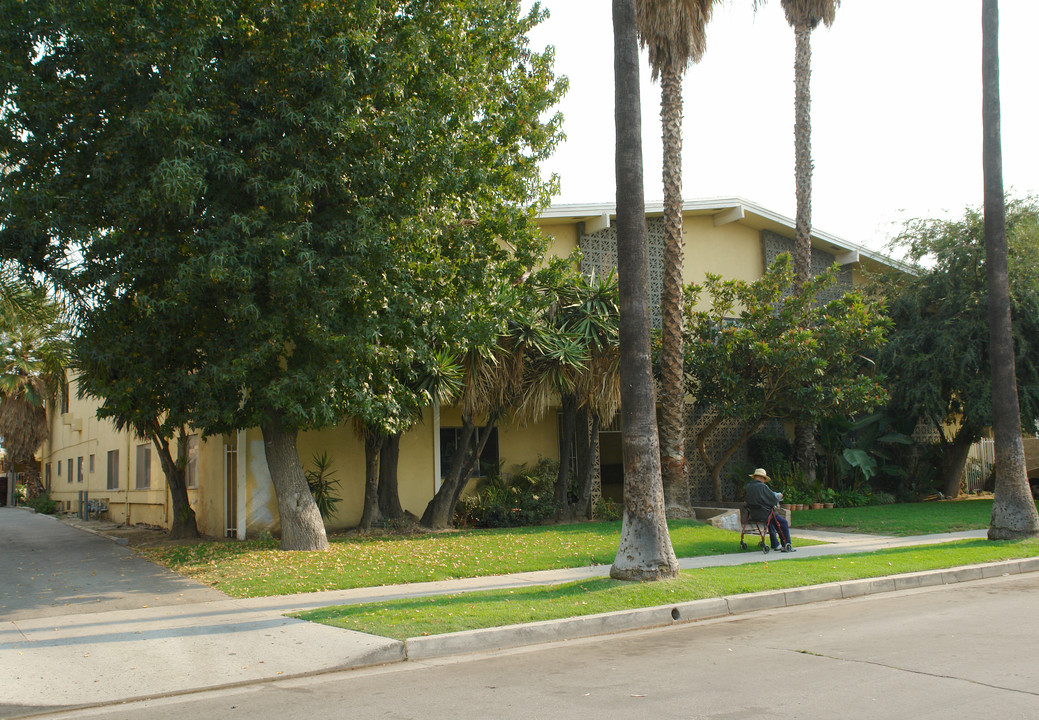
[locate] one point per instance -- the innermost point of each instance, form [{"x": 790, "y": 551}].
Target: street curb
[{"x": 514, "y": 636}]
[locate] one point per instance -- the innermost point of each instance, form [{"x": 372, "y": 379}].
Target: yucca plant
[{"x": 320, "y": 481}]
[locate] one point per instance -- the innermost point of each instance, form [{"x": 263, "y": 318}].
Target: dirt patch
[{"x": 132, "y": 535}]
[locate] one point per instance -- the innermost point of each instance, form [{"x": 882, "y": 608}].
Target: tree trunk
[
  {"x": 301, "y": 524},
  {"x": 803, "y": 154},
  {"x": 440, "y": 510},
  {"x": 389, "y": 496},
  {"x": 804, "y": 450},
  {"x": 804, "y": 435},
  {"x": 566, "y": 452},
  {"x": 953, "y": 461},
  {"x": 588, "y": 441},
  {"x": 1013, "y": 509},
  {"x": 716, "y": 466},
  {"x": 480, "y": 438},
  {"x": 373, "y": 442},
  {"x": 645, "y": 551},
  {"x": 672, "y": 389},
  {"x": 184, "y": 524}
]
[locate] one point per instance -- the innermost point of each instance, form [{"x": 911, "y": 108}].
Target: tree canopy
[
  {"x": 766, "y": 350},
  {"x": 937, "y": 360},
  {"x": 285, "y": 206}
]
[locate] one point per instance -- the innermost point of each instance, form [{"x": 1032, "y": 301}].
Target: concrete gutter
[{"x": 513, "y": 636}]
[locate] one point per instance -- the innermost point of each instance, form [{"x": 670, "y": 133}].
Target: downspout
[
  {"x": 241, "y": 462},
  {"x": 436, "y": 446}
]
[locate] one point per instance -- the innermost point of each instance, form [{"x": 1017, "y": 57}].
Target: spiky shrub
[{"x": 321, "y": 483}]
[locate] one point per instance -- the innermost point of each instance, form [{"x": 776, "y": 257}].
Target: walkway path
[{"x": 69, "y": 638}]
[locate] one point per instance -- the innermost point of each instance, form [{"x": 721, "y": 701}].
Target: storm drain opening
[{"x": 675, "y": 614}]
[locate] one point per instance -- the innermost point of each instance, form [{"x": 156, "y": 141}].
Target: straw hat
[{"x": 760, "y": 472}]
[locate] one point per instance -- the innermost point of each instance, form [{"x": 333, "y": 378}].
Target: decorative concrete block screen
[
  {"x": 599, "y": 257},
  {"x": 774, "y": 245}
]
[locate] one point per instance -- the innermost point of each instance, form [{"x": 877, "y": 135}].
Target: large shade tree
[
  {"x": 262, "y": 174},
  {"x": 675, "y": 34},
  {"x": 1013, "y": 510},
  {"x": 645, "y": 551},
  {"x": 937, "y": 361}
]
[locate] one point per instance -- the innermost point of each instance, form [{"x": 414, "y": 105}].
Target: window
[
  {"x": 113, "y": 470},
  {"x": 64, "y": 398},
  {"x": 191, "y": 461},
  {"x": 144, "y": 467},
  {"x": 47, "y": 476},
  {"x": 59, "y": 468},
  {"x": 488, "y": 464},
  {"x": 79, "y": 469},
  {"x": 69, "y": 478},
  {"x": 91, "y": 463}
]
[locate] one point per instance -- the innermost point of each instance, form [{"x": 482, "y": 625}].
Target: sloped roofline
[{"x": 730, "y": 209}]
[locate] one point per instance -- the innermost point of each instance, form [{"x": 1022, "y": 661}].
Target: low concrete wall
[{"x": 726, "y": 515}]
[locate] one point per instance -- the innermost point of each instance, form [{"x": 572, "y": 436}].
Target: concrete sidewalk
[{"x": 102, "y": 657}]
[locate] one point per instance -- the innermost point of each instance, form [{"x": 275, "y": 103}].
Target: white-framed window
[
  {"x": 113, "y": 470},
  {"x": 79, "y": 469},
  {"x": 190, "y": 454},
  {"x": 69, "y": 476},
  {"x": 90, "y": 463},
  {"x": 144, "y": 467}
]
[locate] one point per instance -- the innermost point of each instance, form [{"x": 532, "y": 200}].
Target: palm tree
[
  {"x": 1013, "y": 509},
  {"x": 645, "y": 551},
  {"x": 675, "y": 33},
  {"x": 804, "y": 16},
  {"x": 35, "y": 347}
]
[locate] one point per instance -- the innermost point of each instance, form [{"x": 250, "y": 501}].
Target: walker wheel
[
  {"x": 743, "y": 545},
  {"x": 764, "y": 547}
]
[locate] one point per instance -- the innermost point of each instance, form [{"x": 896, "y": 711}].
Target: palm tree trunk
[
  {"x": 803, "y": 154},
  {"x": 672, "y": 401},
  {"x": 804, "y": 435},
  {"x": 645, "y": 551},
  {"x": 1013, "y": 509},
  {"x": 301, "y": 525}
]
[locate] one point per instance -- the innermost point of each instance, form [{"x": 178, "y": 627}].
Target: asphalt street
[
  {"x": 959, "y": 651},
  {"x": 84, "y": 623}
]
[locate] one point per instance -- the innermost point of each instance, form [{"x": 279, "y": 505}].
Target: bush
[
  {"x": 608, "y": 510},
  {"x": 321, "y": 483},
  {"x": 851, "y": 498},
  {"x": 883, "y": 498},
  {"x": 42, "y": 504},
  {"x": 526, "y": 497}
]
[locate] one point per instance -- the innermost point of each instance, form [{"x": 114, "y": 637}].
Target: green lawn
[
  {"x": 903, "y": 519},
  {"x": 468, "y": 611},
  {"x": 258, "y": 568}
]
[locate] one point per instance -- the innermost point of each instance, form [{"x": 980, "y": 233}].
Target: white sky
[{"x": 896, "y": 110}]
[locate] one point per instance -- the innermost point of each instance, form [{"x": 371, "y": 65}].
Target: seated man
[{"x": 760, "y": 501}]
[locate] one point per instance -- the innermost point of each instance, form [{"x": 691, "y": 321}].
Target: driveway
[{"x": 49, "y": 569}]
